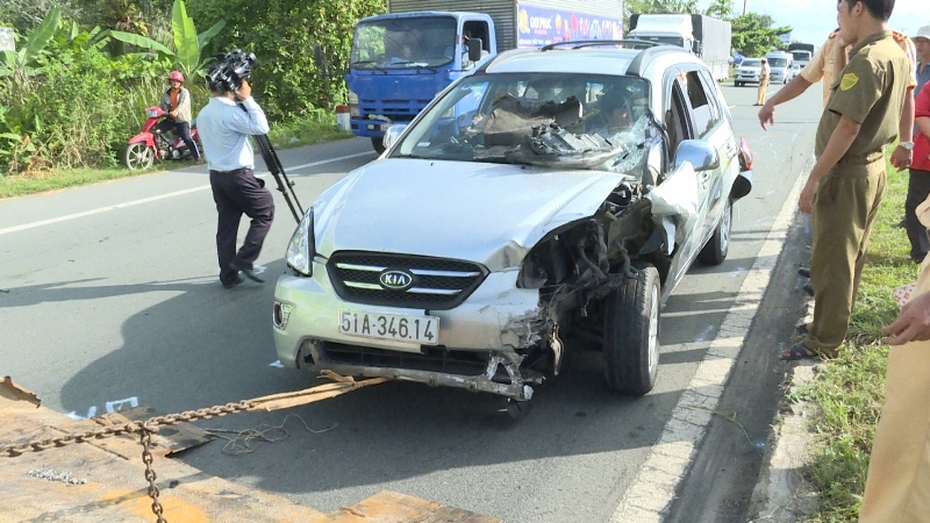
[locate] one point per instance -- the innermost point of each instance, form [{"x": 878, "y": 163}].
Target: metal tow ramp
[{"x": 102, "y": 480}]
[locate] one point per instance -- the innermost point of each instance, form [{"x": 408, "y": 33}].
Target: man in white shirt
[{"x": 224, "y": 132}]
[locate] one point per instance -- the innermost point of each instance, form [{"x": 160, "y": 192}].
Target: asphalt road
[{"x": 109, "y": 299}]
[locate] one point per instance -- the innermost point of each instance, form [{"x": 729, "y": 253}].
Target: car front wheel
[
  {"x": 631, "y": 334},
  {"x": 719, "y": 245}
]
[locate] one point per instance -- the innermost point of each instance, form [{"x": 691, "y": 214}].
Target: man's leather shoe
[
  {"x": 804, "y": 272},
  {"x": 251, "y": 273},
  {"x": 808, "y": 289},
  {"x": 233, "y": 283}
]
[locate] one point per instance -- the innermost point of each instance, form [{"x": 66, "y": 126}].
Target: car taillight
[{"x": 745, "y": 155}]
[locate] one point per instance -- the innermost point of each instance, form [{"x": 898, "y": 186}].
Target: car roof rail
[
  {"x": 628, "y": 43},
  {"x": 646, "y": 56}
]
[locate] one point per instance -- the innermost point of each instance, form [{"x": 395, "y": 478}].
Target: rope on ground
[{"x": 241, "y": 442}]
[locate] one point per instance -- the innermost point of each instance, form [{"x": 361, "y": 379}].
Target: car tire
[
  {"x": 378, "y": 143},
  {"x": 631, "y": 334},
  {"x": 138, "y": 156},
  {"x": 739, "y": 84},
  {"x": 719, "y": 244}
]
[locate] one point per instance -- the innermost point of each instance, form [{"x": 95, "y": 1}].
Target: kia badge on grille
[{"x": 395, "y": 280}]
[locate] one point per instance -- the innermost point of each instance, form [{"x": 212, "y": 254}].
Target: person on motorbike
[{"x": 176, "y": 101}]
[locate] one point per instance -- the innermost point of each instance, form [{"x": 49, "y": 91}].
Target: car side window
[
  {"x": 677, "y": 121},
  {"x": 705, "y": 116}
]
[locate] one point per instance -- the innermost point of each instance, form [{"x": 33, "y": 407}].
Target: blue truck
[{"x": 400, "y": 60}]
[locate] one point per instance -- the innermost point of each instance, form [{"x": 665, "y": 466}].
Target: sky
[{"x": 813, "y": 20}]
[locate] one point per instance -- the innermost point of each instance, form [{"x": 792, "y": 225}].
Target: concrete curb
[{"x": 782, "y": 495}]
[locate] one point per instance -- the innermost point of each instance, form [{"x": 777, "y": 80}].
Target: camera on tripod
[{"x": 229, "y": 71}]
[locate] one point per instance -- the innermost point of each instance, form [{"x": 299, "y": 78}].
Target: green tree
[
  {"x": 722, "y": 9},
  {"x": 283, "y": 35},
  {"x": 187, "y": 43},
  {"x": 753, "y": 34}
]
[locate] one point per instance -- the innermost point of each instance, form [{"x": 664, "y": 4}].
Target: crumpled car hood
[{"x": 484, "y": 212}]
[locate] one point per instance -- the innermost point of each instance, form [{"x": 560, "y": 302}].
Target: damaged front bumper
[{"x": 481, "y": 343}]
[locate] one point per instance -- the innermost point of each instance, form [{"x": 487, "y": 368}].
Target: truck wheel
[
  {"x": 631, "y": 334},
  {"x": 378, "y": 143},
  {"x": 138, "y": 156},
  {"x": 719, "y": 244}
]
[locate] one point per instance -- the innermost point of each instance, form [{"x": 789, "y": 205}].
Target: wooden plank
[{"x": 394, "y": 507}]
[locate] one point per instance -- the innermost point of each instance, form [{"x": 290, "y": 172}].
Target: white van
[{"x": 779, "y": 62}]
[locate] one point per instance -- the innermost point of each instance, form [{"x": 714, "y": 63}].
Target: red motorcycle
[{"x": 153, "y": 143}]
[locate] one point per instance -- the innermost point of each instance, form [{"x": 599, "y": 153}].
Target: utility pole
[{"x": 744, "y": 7}]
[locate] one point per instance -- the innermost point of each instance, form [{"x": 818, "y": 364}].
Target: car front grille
[
  {"x": 432, "y": 359},
  {"x": 437, "y": 283}
]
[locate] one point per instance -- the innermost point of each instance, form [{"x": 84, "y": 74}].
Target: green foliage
[
  {"x": 81, "y": 110},
  {"x": 187, "y": 43},
  {"x": 753, "y": 34},
  {"x": 722, "y": 9},
  {"x": 287, "y": 80},
  {"x": 17, "y": 63}
]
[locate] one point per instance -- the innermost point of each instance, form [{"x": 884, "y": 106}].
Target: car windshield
[
  {"x": 401, "y": 43},
  {"x": 677, "y": 41},
  {"x": 553, "y": 119},
  {"x": 778, "y": 62},
  {"x": 751, "y": 63}
]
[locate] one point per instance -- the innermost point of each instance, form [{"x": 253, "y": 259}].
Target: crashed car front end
[{"x": 488, "y": 236}]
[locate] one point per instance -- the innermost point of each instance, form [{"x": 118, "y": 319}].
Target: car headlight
[{"x": 301, "y": 248}]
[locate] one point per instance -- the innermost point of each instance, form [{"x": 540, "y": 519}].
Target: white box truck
[{"x": 706, "y": 37}]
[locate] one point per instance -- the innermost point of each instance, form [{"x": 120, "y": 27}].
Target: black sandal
[{"x": 799, "y": 351}]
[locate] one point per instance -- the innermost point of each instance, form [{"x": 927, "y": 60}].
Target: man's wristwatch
[{"x": 907, "y": 145}]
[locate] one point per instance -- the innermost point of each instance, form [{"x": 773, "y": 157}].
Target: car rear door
[{"x": 712, "y": 123}]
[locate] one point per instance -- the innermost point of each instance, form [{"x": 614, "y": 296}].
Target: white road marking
[
  {"x": 100, "y": 210},
  {"x": 654, "y": 487}
]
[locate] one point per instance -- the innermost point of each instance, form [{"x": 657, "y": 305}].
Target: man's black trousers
[
  {"x": 236, "y": 193},
  {"x": 918, "y": 187}
]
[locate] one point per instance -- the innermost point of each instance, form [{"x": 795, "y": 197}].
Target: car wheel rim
[
  {"x": 725, "y": 223},
  {"x": 653, "y": 344}
]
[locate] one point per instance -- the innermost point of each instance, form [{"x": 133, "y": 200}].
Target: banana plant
[
  {"x": 187, "y": 43},
  {"x": 20, "y": 63}
]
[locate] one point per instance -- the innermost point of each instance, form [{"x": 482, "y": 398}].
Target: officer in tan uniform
[
  {"x": 832, "y": 57},
  {"x": 843, "y": 190}
]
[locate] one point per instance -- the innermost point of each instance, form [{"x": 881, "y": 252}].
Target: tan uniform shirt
[
  {"x": 870, "y": 91},
  {"x": 823, "y": 64}
]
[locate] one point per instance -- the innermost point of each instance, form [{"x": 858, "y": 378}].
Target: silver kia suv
[{"x": 549, "y": 202}]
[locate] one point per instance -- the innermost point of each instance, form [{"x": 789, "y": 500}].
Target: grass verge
[
  {"x": 849, "y": 390},
  {"x": 315, "y": 127}
]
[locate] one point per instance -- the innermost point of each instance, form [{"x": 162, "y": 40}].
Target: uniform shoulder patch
[{"x": 849, "y": 81}]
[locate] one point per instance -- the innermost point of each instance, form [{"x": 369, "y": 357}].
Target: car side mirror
[
  {"x": 699, "y": 153},
  {"x": 392, "y": 134},
  {"x": 474, "y": 49}
]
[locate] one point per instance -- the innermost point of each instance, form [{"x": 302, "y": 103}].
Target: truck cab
[{"x": 399, "y": 62}]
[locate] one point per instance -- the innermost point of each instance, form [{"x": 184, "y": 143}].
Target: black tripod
[
  {"x": 285, "y": 185},
  {"x": 277, "y": 170}
]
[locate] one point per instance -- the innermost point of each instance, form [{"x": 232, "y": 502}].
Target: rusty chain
[
  {"x": 124, "y": 428},
  {"x": 145, "y": 428},
  {"x": 150, "y": 426},
  {"x": 146, "y": 440}
]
